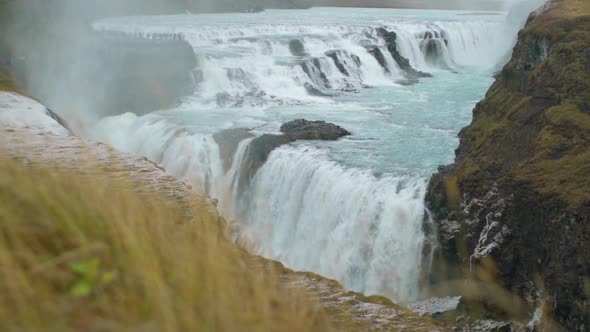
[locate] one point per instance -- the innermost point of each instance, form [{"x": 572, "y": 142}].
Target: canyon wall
[{"x": 514, "y": 208}]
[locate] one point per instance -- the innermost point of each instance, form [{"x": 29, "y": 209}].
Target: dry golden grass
[
  {"x": 571, "y": 8},
  {"x": 87, "y": 254}
]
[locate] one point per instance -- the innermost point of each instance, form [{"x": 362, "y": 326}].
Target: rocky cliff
[{"x": 514, "y": 208}]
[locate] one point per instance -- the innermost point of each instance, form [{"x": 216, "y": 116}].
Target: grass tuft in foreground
[{"x": 89, "y": 254}]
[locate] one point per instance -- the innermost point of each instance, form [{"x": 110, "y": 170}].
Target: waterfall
[
  {"x": 343, "y": 223},
  {"x": 303, "y": 207},
  {"x": 193, "y": 158},
  {"x": 300, "y": 208},
  {"x": 229, "y": 204},
  {"x": 255, "y": 65}
]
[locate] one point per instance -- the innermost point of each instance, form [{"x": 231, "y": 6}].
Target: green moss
[
  {"x": 531, "y": 137},
  {"x": 566, "y": 72},
  {"x": 570, "y": 8},
  {"x": 534, "y": 125},
  {"x": 561, "y": 165},
  {"x": 568, "y": 115},
  {"x": 469, "y": 170},
  {"x": 566, "y": 178},
  {"x": 548, "y": 142},
  {"x": 497, "y": 108}
]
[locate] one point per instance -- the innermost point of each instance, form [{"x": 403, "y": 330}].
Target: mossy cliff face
[{"x": 515, "y": 207}]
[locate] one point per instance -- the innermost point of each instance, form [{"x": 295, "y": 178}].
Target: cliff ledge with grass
[{"x": 514, "y": 208}]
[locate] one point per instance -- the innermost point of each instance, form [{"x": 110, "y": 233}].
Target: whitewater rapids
[{"x": 351, "y": 210}]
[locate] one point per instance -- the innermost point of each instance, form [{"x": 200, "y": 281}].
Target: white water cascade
[
  {"x": 301, "y": 208},
  {"x": 310, "y": 206},
  {"x": 252, "y": 64},
  {"x": 342, "y": 223}
]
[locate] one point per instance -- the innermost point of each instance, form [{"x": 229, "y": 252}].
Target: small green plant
[{"x": 90, "y": 277}]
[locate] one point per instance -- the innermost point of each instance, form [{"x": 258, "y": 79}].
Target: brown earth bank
[{"x": 514, "y": 208}]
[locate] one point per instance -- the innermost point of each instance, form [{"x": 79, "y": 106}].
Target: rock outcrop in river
[
  {"x": 313, "y": 130},
  {"x": 260, "y": 148},
  {"x": 514, "y": 208},
  {"x": 390, "y": 38}
]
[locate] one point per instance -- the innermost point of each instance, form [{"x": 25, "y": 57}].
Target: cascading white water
[
  {"x": 352, "y": 210},
  {"x": 301, "y": 208},
  {"x": 190, "y": 157},
  {"x": 230, "y": 190},
  {"x": 343, "y": 223},
  {"x": 252, "y": 65}
]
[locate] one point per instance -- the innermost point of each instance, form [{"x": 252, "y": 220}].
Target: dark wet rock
[
  {"x": 228, "y": 141},
  {"x": 223, "y": 99},
  {"x": 236, "y": 74},
  {"x": 257, "y": 153},
  {"x": 488, "y": 325},
  {"x": 436, "y": 306},
  {"x": 442, "y": 36},
  {"x": 340, "y": 58},
  {"x": 260, "y": 148},
  {"x": 461, "y": 317},
  {"x": 352, "y": 88},
  {"x": 390, "y": 38},
  {"x": 313, "y": 130},
  {"x": 59, "y": 119},
  {"x": 313, "y": 69},
  {"x": 408, "y": 81},
  {"x": 297, "y": 48},
  {"x": 538, "y": 51},
  {"x": 379, "y": 56},
  {"x": 431, "y": 49},
  {"x": 514, "y": 209},
  {"x": 313, "y": 91}
]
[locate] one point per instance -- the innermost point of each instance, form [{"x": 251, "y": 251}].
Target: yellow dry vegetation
[
  {"x": 85, "y": 253},
  {"x": 571, "y": 8}
]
